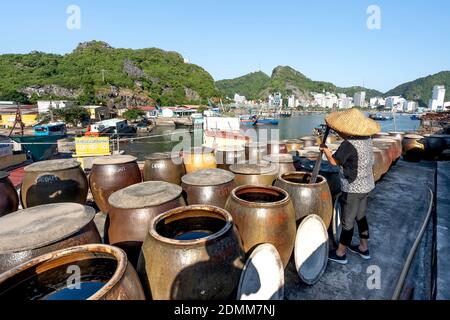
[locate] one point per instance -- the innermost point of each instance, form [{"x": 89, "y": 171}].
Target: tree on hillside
[{"x": 133, "y": 114}]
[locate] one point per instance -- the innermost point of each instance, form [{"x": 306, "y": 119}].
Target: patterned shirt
[{"x": 355, "y": 157}]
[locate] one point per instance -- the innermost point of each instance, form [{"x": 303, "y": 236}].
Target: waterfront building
[
  {"x": 410, "y": 106},
  {"x": 437, "y": 99},
  {"x": 239, "y": 99},
  {"x": 393, "y": 101},
  {"x": 98, "y": 113},
  {"x": 44, "y": 106},
  {"x": 359, "y": 99}
]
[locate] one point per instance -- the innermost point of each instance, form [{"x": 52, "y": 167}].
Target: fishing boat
[
  {"x": 415, "y": 117},
  {"x": 248, "y": 120},
  {"x": 42, "y": 145},
  {"x": 112, "y": 128},
  {"x": 380, "y": 117},
  {"x": 267, "y": 121}
]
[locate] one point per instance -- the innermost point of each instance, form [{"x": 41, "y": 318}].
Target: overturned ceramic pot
[
  {"x": 208, "y": 187},
  {"x": 53, "y": 181},
  {"x": 199, "y": 158},
  {"x": 132, "y": 209},
  {"x": 32, "y": 232},
  {"x": 110, "y": 174},
  {"x": 9, "y": 200},
  {"x": 308, "y": 198},
  {"x": 105, "y": 275},
  {"x": 164, "y": 166},
  {"x": 264, "y": 215},
  {"x": 192, "y": 253},
  {"x": 260, "y": 174}
]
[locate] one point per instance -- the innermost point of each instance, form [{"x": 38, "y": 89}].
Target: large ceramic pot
[
  {"x": 228, "y": 155},
  {"x": 164, "y": 166},
  {"x": 105, "y": 275},
  {"x": 308, "y": 198},
  {"x": 133, "y": 208},
  {"x": 208, "y": 187},
  {"x": 309, "y": 141},
  {"x": 329, "y": 172},
  {"x": 397, "y": 135},
  {"x": 283, "y": 162},
  {"x": 294, "y": 145},
  {"x": 434, "y": 146},
  {"x": 110, "y": 174},
  {"x": 391, "y": 144},
  {"x": 277, "y": 147},
  {"x": 308, "y": 155},
  {"x": 388, "y": 155},
  {"x": 192, "y": 253},
  {"x": 396, "y": 145},
  {"x": 198, "y": 159},
  {"x": 413, "y": 147},
  {"x": 9, "y": 200},
  {"x": 255, "y": 151},
  {"x": 53, "y": 181},
  {"x": 264, "y": 215},
  {"x": 261, "y": 174},
  {"x": 330, "y": 139},
  {"x": 379, "y": 164},
  {"x": 32, "y": 232}
]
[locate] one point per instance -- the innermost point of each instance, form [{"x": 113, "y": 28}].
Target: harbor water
[{"x": 162, "y": 140}]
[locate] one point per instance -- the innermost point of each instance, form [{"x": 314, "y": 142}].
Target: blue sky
[{"x": 326, "y": 40}]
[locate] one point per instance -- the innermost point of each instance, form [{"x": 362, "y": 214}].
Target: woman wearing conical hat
[{"x": 355, "y": 160}]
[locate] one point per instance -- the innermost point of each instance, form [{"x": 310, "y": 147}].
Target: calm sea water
[{"x": 161, "y": 139}]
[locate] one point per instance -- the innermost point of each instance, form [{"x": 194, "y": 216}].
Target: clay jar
[
  {"x": 110, "y": 174},
  {"x": 164, "y": 166},
  {"x": 9, "y": 200},
  {"x": 264, "y": 215},
  {"x": 53, "y": 181},
  {"x": 192, "y": 253},
  {"x": 133, "y": 208},
  {"x": 308, "y": 198},
  {"x": 29, "y": 233},
  {"x": 208, "y": 187}
]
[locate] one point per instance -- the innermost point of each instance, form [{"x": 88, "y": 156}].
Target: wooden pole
[{"x": 319, "y": 160}]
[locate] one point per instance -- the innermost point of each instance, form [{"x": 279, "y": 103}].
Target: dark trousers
[{"x": 353, "y": 208}]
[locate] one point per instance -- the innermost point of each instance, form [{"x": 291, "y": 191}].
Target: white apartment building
[
  {"x": 393, "y": 101},
  {"x": 359, "y": 99},
  {"x": 239, "y": 99},
  {"x": 327, "y": 100},
  {"x": 438, "y": 98},
  {"x": 293, "y": 102},
  {"x": 377, "y": 102},
  {"x": 44, "y": 106},
  {"x": 410, "y": 106}
]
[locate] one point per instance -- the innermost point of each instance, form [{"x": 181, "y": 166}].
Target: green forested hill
[
  {"x": 250, "y": 85},
  {"x": 422, "y": 89},
  {"x": 96, "y": 72}
]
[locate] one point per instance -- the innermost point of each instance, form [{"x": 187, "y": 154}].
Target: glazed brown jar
[
  {"x": 255, "y": 151},
  {"x": 261, "y": 174},
  {"x": 309, "y": 141},
  {"x": 294, "y": 145},
  {"x": 9, "y": 200},
  {"x": 53, "y": 181},
  {"x": 208, "y": 187},
  {"x": 413, "y": 147},
  {"x": 229, "y": 155},
  {"x": 277, "y": 147},
  {"x": 106, "y": 275},
  {"x": 284, "y": 162},
  {"x": 192, "y": 253},
  {"x": 165, "y": 166},
  {"x": 264, "y": 215},
  {"x": 110, "y": 174},
  {"x": 199, "y": 158},
  {"x": 308, "y": 198},
  {"x": 32, "y": 232},
  {"x": 133, "y": 208}
]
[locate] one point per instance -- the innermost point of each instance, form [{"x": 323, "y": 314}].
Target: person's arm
[{"x": 329, "y": 155}]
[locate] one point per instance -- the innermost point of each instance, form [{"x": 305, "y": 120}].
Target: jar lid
[
  {"x": 112, "y": 160},
  {"x": 52, "y": 165},
  {"x": 279, "y": 158},
  {"x": 253, "y": 169},
  {"x": 414, "y": 136},
  {"x": 208, "y": 177},
  {"x": 162, "y": 156},
  {"x": 146, "y": 194},
  {"x": 42, "y": 225}
]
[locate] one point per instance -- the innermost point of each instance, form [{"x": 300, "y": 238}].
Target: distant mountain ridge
[{"x": 285, "y": 80}]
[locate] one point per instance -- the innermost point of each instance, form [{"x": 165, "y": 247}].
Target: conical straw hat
[{"x": 352, "y": 122}]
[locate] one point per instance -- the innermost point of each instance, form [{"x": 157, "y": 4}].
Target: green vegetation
[
  {"x": 133, "y": 114},
  {"x": 87, "y": 74},
  {"x": 421, "y": 89},
  {"x": 251, "y": 85},
  {"x": 71, "y": 115}
]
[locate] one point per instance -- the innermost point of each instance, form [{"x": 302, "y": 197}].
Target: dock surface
[{"x": 396, "y": 212}]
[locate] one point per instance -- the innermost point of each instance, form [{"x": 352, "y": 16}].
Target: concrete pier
[{"x": 397, "y": 210}]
